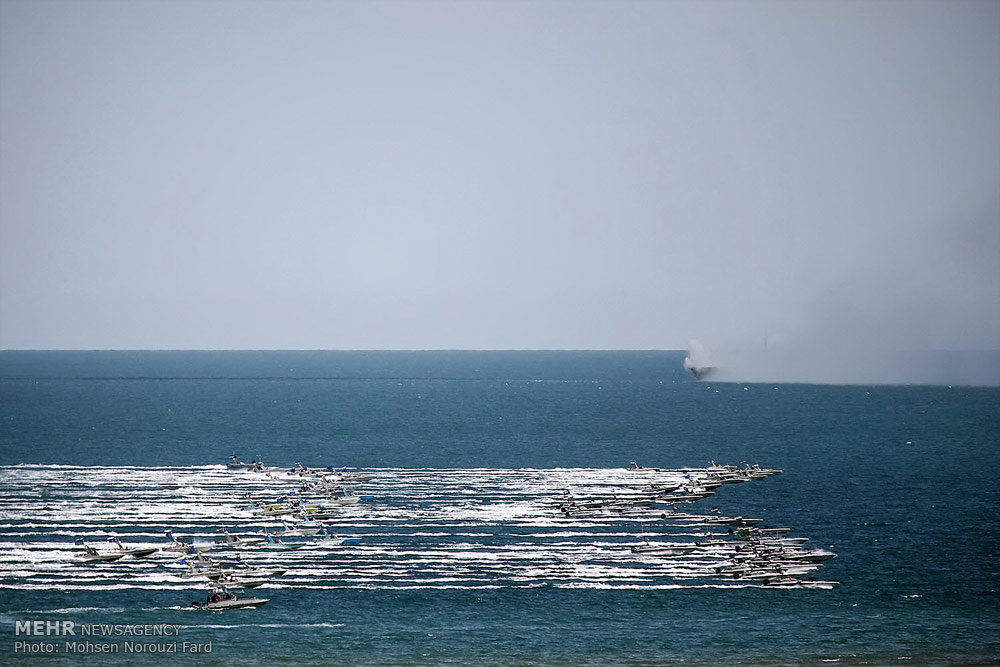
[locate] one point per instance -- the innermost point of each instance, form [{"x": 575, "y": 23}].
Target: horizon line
[
  {"x": 414, "y": 349},
  {"x": 338, "y": 349}
]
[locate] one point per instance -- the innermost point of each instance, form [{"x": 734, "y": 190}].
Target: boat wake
[{"x": 422, "y": 528}]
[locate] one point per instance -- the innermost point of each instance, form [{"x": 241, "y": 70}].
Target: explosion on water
[{"x": 699, "y": 361}]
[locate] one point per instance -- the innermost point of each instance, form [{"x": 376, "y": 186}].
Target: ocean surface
[{"x": 463, "y": 556}]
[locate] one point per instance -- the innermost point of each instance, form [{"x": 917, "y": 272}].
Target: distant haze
[
  {"x": 844, "y": 361},
  {"x": 794, "y": 176}
]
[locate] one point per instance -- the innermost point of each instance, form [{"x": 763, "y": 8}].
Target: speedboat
[
  {"x": 185, "y": 548},
  {"x": 99, "y": 556},
  {"x": 682, "y": 496},
  {"x": 254, "y": 572},
  {"x": 234, "y": 581},
  {"x": 201, "y": 566},
  {"x": 660, "y": 549},
  {"x": 792, "y": 582},
  {"x": 272, "y": 542},
  {"x": 283, "y": 505},
  {"x": 199, "y": 571},
  {"x": 139, "y": 552},
  {"x": 135, "y": 552},
  {"x": 633, "y": 466},
  {"x": 236, "y": 464},
  {"x": 355, "y": 477},
  {"x": 300, "y": 529},
  {"x": 230, "y": 603},
  {"x": 93, "y": 554},
  {"x": 811, "y": 556},
  {"x": 763, "y": 573},
  {"x": 273, "y": 510},
  {"x": 345, "y": 499},
  {"x": 334, "y": 541},
  {"x": 342, "y": 496},
  {"x": 731, "y": 521},
  {"x": 181, "y": 547},
  {"x": 345, "y": 477},
  {"x": 331, "y": 540},
  {"x": 661, "y": 488},
  {"x": 236, "y": 541}
]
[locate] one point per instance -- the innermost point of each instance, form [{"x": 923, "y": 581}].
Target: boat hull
[{"x": 222, "y": 605}]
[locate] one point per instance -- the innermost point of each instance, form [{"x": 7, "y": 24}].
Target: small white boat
[
  {"x": 201, "y": 567},
  {"x": 272, "y": 542},
  {"x": 331, "y": 540},
  {"x": 140, "y": 552},
  {"x": 93, "y": 555},
  {"x": 256, "y": 572},
  {"x": 301, "y": 529},
  {"x": 791, "y": 582},
  {"x": 355, "y": 477},
  {"x": 342, "y": 476},
  {"x": 653, "y": 548},
  {"x": 731, "y": 521},
  {"x": 635, "y": 467},
  {"x": 179, "y": 547},
  {"x": 812, "y": 556},
  {"x": 232, "y": 581},
  {"x": 274, "y": 509},
  {"x": 230, "y": 603},
  {"x": 342, "y": 496},
  {"x": 135, "y": 552},
  {"x": 200, "y": 573},
  {"x": 236, "y": 464},
  {"x": 231, "y": 540}
]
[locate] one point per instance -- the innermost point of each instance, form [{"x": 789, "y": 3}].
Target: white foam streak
[{"x": 427, "y": 529}]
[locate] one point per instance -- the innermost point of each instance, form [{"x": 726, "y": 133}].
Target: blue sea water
[{"x": 900, "y": 481}]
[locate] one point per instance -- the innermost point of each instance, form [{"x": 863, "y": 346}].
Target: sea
[{"x": 462, "y": 555}]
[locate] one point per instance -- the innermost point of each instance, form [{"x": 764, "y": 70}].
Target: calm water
[{"x": 460, "y": 560}]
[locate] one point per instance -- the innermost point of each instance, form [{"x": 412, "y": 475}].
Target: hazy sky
[{"x": 498, "y": 174}]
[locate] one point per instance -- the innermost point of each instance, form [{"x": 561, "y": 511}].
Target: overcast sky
[{"x": 362, "y": 175}]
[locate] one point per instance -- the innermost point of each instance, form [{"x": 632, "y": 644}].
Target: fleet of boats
[
  {"x": 745, "y": 552},
  {"x": 727, "y": 548},
  {"x": 298, "y": 515}
]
